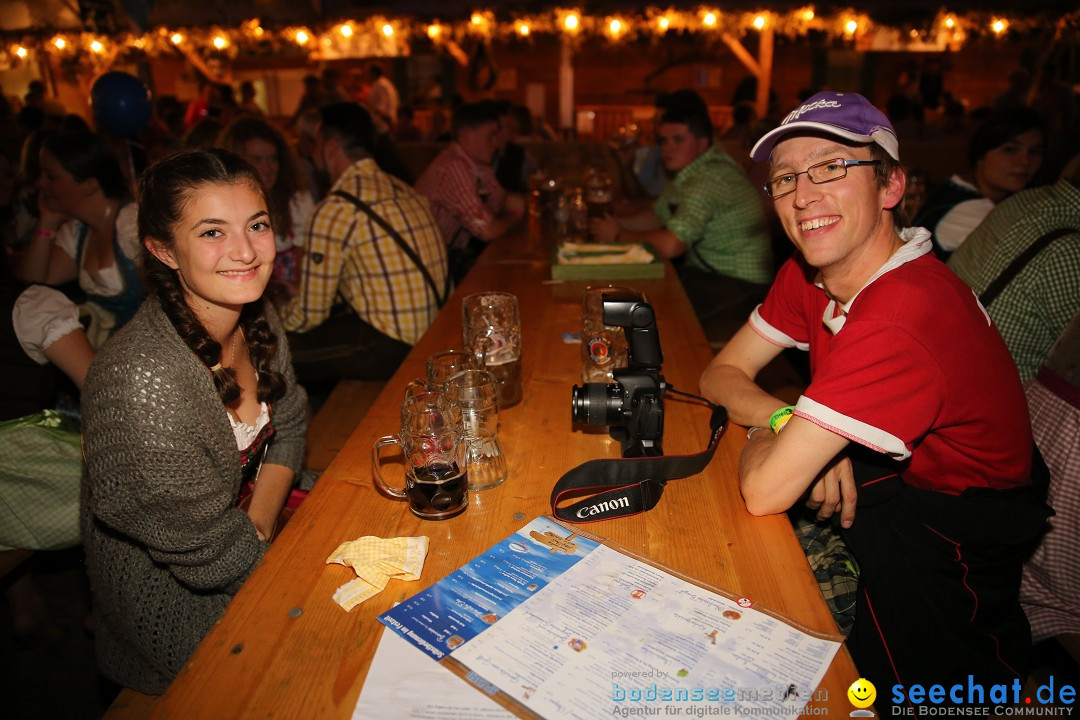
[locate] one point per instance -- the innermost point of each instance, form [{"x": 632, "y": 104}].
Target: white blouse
[
  {"x": 41, "y": 316},
  {"x": 245, "y": 433},
  {"x": 106, "y": 281}
]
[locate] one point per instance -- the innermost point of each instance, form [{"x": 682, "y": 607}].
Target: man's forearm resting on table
[
  {"x": 666, "y": 243},
  {"x": 729, "y": 378},
  {"x": 775, "y": 470},
  {"x": 641, "y": 222},
  {"x": 747, "y": 404}
]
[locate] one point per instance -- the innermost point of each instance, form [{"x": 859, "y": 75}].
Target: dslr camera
[{"x": 632, "y": 406}]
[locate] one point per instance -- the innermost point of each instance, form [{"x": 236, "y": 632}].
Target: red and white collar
[{"x": 916, "y": 244}]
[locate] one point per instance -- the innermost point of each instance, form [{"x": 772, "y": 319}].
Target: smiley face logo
[{"x": 862, "y": 693}]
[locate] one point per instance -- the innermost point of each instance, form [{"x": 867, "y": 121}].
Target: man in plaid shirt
[
  {"x": 710, "y": 216},
  {"x": 470, "y": 205},
  {"x": 1035, "y": 306},
  {"x": 362, "y": 301},
  {"x": 1038, "y": 314}
]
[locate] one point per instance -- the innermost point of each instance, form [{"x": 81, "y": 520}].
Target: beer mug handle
[
  {"x": 480, "y": 348},
  {"x": 415, "y": 387},
  {"x": 376, "y": 470}
]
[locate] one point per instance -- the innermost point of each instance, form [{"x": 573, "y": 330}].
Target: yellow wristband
[
  {"x": 781, "y": 423},
  {"x": 780, "y": 418}
]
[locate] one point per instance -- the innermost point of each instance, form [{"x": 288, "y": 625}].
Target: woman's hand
[{"x": 48, "y": 219}]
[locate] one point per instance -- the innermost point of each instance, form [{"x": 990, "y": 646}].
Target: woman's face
[
  {"x": 223, "y": 247},
  {"x": 1008, "y": 168},
  {"x": 59, "y": 188},
  {"x": 262, "y": 156}
]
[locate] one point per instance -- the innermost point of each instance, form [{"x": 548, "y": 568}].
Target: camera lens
[{"x": 596, "y": 404}]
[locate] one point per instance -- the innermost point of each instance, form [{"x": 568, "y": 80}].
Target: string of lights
[{"x": 380, "y": 36}]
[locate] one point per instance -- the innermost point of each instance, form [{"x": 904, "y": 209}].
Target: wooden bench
[{"x": 337, "y": 418}]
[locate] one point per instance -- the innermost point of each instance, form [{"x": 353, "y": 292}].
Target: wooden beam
[{"x": 740, "y": 52}]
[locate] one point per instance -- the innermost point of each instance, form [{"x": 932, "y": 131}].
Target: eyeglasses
[{"x": 818, "y": 173}]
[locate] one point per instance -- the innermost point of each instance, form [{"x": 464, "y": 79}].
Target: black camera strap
[{"x": 628, "y": 486}]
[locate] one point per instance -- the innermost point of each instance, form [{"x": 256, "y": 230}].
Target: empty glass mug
[
  {"x": 441, "y": 366},
  {"x": 436, "y": 484},
  {"x": 476, "y": 394},
  {"x": 491, "y": 331},
  {"x": 603, "y": 347}
]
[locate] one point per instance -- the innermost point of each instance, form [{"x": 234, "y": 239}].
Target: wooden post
[
  {"x": 566, "y": 86},
  {"x": 764, "y": 75}
]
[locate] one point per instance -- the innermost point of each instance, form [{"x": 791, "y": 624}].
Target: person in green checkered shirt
[
  {"x": 1036, "y": 306},
  {"x": 709, "y": 217}
]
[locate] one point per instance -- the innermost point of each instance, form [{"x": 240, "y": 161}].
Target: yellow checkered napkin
[{"x": 375, "y": 561}]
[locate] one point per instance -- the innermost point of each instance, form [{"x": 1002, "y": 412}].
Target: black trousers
[
  {"x": 345, "y": 347},
  {"x": 938, "y": 596}
]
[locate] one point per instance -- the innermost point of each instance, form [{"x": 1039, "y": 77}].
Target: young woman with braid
[{"x": 186, "y": 400}]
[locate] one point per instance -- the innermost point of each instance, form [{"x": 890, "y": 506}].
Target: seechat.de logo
[{"x": 1003, "y": 699}]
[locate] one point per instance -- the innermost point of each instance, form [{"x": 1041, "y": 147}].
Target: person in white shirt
[
  {"x": 382, "y": 99},
  {"x": 1005, "y": 152}
]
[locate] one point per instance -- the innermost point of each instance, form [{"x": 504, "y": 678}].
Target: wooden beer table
[{"x": 285, "y": 649}]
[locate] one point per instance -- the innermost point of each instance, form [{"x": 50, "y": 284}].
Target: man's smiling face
[{"x": 830, "y": 223}]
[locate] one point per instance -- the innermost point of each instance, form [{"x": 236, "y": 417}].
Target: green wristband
[{"x": 780, "y": 417}]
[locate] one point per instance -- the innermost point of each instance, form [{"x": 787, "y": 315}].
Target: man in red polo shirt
[
  {"x": 914, "y": 428},
  {"x": 469, "y": 204}
]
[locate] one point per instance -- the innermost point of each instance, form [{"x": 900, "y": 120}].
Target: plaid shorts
[{"x": 833, "y": 565}]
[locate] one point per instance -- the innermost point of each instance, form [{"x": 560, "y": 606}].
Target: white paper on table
[
  {"x": 612, "y": 624},
  {"x": 571, "y": 253},
  {"x": 403, "y": 683}
]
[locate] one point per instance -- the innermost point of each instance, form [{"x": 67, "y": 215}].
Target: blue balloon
[{"x": 121, "y": 104}]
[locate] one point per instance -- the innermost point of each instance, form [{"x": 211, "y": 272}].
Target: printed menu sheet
[{"x": 552, "y": 623}]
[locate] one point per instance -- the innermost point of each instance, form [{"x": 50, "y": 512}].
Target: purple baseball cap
[{"x": 846, "y": 115}]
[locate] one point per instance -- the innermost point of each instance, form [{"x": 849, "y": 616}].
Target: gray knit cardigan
[{"x": 166, "y": 547}]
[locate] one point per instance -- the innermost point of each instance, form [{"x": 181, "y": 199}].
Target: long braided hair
[{"x": 164, "y": 190}]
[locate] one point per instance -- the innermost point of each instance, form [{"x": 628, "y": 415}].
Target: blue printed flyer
[
  {"x": 556, "y": 624},
  {"x": 472, "y": 598}
]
